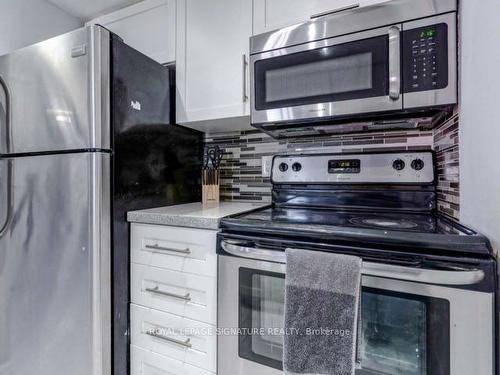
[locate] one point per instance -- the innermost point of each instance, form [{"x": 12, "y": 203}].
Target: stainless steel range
[{"x": 429, "y": 284}]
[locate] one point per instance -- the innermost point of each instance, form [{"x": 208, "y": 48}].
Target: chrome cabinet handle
[
  {"x": 156, "y": 290},
  {"x": 245, "y": 65},
  {"x": 338, "y": 10},
  {"x": 423, "y": 275},
  {"x": 394, "y": 63},
  {"x": 161, "y": 248},
  {"x": 186, "y": 343}
]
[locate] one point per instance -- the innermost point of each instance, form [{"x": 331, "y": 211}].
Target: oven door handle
[{"x": 422, "y": 275}]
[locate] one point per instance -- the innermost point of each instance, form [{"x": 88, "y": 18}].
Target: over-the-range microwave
[{"x": 385, "y": 66}]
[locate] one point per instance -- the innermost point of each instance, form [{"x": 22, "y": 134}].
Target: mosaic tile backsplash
[
  {"x": 241, "y": 168},
  {"x": 447, "y": 155}
]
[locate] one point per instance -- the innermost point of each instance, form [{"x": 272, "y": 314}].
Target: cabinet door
[
  {"x": 145, "y": 362},
  {"x": 148, "y": 26},
  {"x": 273, "y": 14},
  {"x": 212, "y": 73},
  {"x": 173, "y": 336}
]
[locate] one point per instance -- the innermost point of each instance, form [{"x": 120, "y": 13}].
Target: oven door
[
  {"x": 352, "y": 74},
  {"x": 408, "y": 328}
]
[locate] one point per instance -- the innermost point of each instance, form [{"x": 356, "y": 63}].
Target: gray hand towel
[{"x": 322, "y": 292}]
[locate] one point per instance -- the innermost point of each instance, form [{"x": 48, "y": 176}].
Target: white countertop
[{"x": 193, "y": 215}]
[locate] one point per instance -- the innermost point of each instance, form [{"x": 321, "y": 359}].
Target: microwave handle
[
  {"x": 245, "y": 68},
  {"x": 430, "y": 276},
  {"x": 394, "y": 62}
]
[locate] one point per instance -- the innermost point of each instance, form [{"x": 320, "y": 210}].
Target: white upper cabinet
[
  {"x": 148, "y": 26},
  {"x": 273, "y": 14},
  {"x": 212, "y": 64}
]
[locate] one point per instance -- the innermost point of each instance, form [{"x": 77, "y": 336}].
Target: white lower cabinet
[
  {"x": 178, "y": 293},
  {"x": 174, "y": 300},
  {"x": 145, "y": 362},
  {"x": 179, "y": 249},
  {"x": 174, "y": 336}
]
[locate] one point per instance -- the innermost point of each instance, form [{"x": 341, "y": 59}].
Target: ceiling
[{"x": 88, "y": 9}]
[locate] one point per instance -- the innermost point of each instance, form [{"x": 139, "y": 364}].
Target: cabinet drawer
[
  {"x": 174, "y": 336},
  {"x": 175, "y": 248},
  {"x": 175, "y": 292},
  {"x": 144, "y": 362}
]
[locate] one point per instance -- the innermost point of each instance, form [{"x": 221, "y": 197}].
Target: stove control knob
[
  {"x": 417, "y": 164},
  {"x": 398, "y": 164},
  {"x": 283, "y": 167},
  {"x": 296, "y": 167}
]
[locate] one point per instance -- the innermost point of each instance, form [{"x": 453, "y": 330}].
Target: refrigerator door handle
[
  {"x": 8, "y": 216},
  {"x": 5, "y": 113}
]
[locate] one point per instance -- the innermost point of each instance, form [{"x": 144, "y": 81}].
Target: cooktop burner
[{"x": 397, "y": 224}]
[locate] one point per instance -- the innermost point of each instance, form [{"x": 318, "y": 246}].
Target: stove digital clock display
[{"x": 344, "y": 166}]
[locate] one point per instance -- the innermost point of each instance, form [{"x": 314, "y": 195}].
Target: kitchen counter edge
[{"x": 192, "y": 215}]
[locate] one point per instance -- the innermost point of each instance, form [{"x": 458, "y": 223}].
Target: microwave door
[{"x": 348, "y": 75}]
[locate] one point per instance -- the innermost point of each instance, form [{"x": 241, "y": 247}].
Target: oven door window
[
  {"x": 354, "y": 70},
  {"x": 261, "y": 311},
  {"x": 401, "y": 333}
]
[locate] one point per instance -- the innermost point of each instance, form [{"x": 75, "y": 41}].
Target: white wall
[
  {"x": 24, "y": 22},
  {"x": 480, "y": 117}
]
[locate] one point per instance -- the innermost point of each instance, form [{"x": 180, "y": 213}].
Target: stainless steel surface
[
  {"x": 357, "y": 126},
  {"x": 245, "y": 66},
  {"x": 471, "y": 339},
  {"x": 374, "y": 168},
  {"x": 55, "y": 267},
  {"x": 228, "y": 360},
  {"x": 186, "y": 343},
  {"x": 57, "y": 101},
  {"x": 421, "y": 275},
  {"x": 156, "y": 290},
  {"x": 365, "y": 18},
  {"x": 100, "y": 224},
  {"x": 101, "y": 81},
  {"x": 334, "y": 11},
  {"x": 169, "y": 249},
  {"x": 448, "y": 94},
  {"x": 394, "y": 62},
  {"x": 320, "y": 110},
  {"x": 390, "y": 18}
]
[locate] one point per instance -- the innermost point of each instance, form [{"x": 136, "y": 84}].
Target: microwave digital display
[
  {"x": 344, "y": 166},
  {"x": 428, "y": 33}
]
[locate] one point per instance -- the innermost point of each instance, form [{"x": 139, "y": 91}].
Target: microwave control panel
[{"x": 425, "y": 58}]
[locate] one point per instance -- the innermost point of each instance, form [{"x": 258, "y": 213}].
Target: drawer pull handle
[
  {"x": 186, "y": 343},
  {"x": 156, "y": 290},
  {"x": 156, "y": 247}
]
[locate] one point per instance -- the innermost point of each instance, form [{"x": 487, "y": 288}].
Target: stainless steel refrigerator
[{"x": 86, "y": 134}]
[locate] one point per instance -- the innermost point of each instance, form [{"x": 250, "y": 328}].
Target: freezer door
[
  {"x": 54, "y": 265},
  {"x": 54, "y": 95}
]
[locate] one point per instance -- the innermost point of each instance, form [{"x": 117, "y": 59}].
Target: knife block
[{"x": 210, "y": 186}]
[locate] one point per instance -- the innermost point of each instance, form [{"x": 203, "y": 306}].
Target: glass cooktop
[
  {"x": 403, "y": 222},
  {"x": 421, "y": 231}
]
